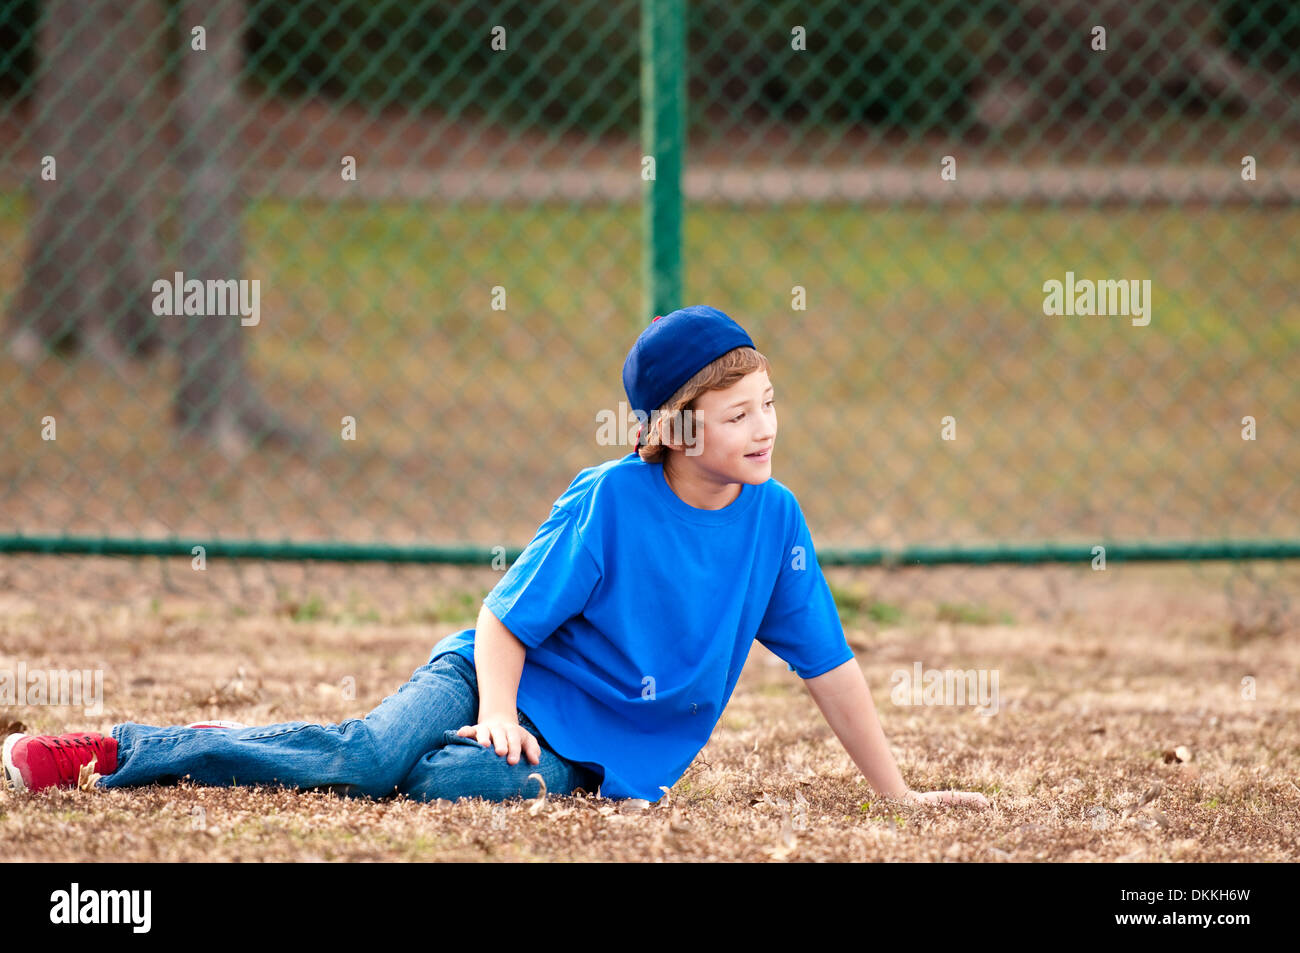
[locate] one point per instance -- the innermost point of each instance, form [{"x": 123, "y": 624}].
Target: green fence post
[{"x": 663, "y": 138}]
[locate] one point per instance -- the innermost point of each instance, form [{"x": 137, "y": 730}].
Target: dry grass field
[{"x": 1102, "y": 678}]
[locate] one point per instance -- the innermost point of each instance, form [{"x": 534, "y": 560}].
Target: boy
[{"x": 621, "y": 629}]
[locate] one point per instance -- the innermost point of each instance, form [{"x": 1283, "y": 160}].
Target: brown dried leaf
[
  {"x": 87, "y": 776},
  {"x": 539, "y": 804},
  {"x": 1151, "y": 794}
]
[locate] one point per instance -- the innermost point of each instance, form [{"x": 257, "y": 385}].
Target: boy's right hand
[{"x": 508, "y": 737}]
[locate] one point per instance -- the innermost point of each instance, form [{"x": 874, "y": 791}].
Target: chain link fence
[{"x": 1026, "y": 271}]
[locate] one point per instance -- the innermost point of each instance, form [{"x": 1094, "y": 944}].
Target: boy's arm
[
  {"x": 845, "y": 702},
  {"x": 499, "y": 664}
]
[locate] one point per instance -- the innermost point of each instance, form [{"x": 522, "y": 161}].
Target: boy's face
[{"x": 729, "y": 427}]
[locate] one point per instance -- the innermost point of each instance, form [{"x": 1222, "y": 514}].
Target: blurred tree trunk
[
  {"x": 215, "y": 398},
  {"x": 92, "y": 249}
]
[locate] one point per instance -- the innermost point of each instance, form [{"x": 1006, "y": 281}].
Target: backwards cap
[{"x": 672, "y": 350}]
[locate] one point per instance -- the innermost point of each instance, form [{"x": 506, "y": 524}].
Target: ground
[{"x": 1100, "y": 683}]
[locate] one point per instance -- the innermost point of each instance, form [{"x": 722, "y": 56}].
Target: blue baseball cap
[{"x": 672, "y": 350}]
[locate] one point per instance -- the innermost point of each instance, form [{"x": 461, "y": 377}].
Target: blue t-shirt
[{"x": 638, "y": 611}]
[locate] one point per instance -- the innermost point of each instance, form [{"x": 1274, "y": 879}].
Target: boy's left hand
[{"x": 947, "y": 798}]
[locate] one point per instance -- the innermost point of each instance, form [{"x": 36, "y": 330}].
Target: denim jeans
[{"x": 407, "y": 745}]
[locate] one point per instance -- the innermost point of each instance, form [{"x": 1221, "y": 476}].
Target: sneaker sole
[{"x": 13, "y": 776}]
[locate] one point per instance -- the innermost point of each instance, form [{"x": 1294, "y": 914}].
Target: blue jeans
[{"x": 407, "y": 745}]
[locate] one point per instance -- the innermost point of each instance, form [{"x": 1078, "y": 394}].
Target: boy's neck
[{"x": 700, "y": 493}]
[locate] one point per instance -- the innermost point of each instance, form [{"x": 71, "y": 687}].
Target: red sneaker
[{"x": 33, "y": 762}]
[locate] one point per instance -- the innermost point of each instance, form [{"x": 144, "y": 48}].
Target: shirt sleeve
[
  {"x": 802, "y": 624},
  {"x": 549, "y": 583}
]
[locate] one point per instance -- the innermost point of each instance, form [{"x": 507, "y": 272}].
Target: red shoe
[{"x": 33, "y": 762}]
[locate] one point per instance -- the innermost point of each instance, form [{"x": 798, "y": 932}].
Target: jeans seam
[{"x": 285, "y": 731}]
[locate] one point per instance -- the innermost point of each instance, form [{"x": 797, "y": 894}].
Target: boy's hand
[
  {"x": 508, "y": 737},
  {"x": 967, "y": 798}
]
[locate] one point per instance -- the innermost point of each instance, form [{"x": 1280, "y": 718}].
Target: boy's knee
[{"x": 464, "y": 768}]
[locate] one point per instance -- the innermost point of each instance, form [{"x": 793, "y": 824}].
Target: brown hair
[{"x": 720, "y": 374}]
